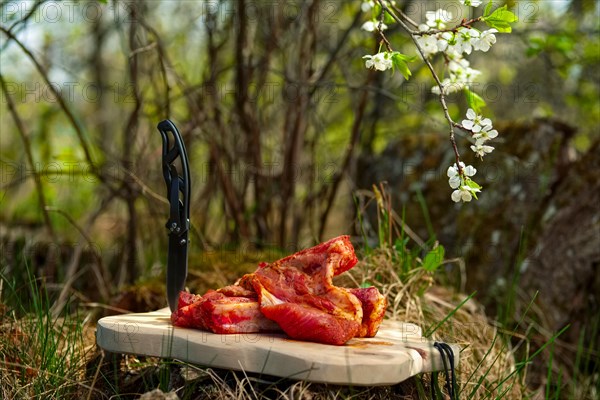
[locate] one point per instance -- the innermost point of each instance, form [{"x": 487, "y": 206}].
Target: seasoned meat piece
[
  {"x": 373, "y": 306},
  {"x": 223, "y": 311},
  {"x": 297, "y": 293},
  {"x": 294, "y": 294}
]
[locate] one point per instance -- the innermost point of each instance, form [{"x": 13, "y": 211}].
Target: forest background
[{"x": 287, "y": 133}]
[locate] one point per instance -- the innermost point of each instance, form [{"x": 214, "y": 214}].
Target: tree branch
[
  {"x": 442, "y": 96},
  {"x": 61, "y": 102},
  {"x": 29, "y": 154},
  {"x": 359, "y": 113}
]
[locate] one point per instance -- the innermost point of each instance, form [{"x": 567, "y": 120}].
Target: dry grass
[
  {"x": 43, "y": 357},
  {"x": 485, "y": 360}
]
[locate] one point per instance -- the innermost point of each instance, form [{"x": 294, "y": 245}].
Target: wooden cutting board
[{"x": 395, "y": 354}]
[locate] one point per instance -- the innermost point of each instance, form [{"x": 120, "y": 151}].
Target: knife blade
[{"x": 178, "y": 194}]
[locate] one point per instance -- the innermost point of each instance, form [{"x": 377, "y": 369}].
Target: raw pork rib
[
  {"x": 373, "y": 306},
  {"x": 231, "y": 309},
  {"x": 295, "y": 294}
]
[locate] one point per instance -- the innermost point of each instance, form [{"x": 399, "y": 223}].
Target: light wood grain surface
[{"x": 395, "y": 354}]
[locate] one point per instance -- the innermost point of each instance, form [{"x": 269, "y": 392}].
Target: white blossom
[
  {"x": 454, "y": 177},
  {"x": 367, "y": 5},
  {"x": 462, "y": 192},
  {"x": 469, "y": 74},
  {"x": 432, "y": 44},
  {"x": 465, "y": 39},
  {"x": 379, "y": 61},
  {"x": 486, "y": 133},
  {"x": 486, "y": 40},
  {"x": 443, "y": 39},
  {"x": 475, "y": 122},
  {"x": 461, "y": 75},
  {"x": 465, "y": 194},
  {"x": 454, "y": 180},
  {"x": 453, "y": 49},
  {"x": 468, "y": 170},
  {"x": 481, "y": 149},
  {"x": 428, "y": 44},
  {"x": 459, "y": 67},
  {"x": 437, "y": 19},
  {"x": 457, "y": 62},
  {"x": 423, "y": 27},
  {"x": 372, "y": 26},
  {"x": 450, "y": 86},
  {"x": 472, "y": 3}
]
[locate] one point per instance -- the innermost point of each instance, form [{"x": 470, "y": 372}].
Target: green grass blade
[
  {"x": 431, "y": 331},
  {"x": 523, "y": 364},
  {"x": 426, "y": 216}
]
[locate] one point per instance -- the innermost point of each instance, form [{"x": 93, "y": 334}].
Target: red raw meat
[
  {"x": 231, "y": 309},
  {"x": 295, "y": 294},
  {"x": 373, "y": 306}
]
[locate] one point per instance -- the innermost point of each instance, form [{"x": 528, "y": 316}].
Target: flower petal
[
  {"x": 454, "y": 182},
  {"x": 470, "y": 170},
  {"x": 456, "y": 196}
]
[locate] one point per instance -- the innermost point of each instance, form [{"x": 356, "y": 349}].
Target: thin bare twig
[
  {"x": 24, "y": 20},
  {"x": 333, "y": 55},
  {"x": 359, "y": 114},
  {"x": 442, "y": 97},
  {"x": 406, "y": 17},
  {"x": 142, "y": 49},
  {"x": 98, "y": 271},
  {"x": 61, "y": 101},
  {"x": 89, "y": 396},
  {"x": 29, "y": 154},
  {"x": 163, "y": 59},
  {"x": 463, "y": 24},
  {"x": 145, "y": 188},
  {"x": 129, "y": 134}
]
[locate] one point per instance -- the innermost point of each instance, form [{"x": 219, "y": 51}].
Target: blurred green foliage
[{"x": 292, "y": 76}]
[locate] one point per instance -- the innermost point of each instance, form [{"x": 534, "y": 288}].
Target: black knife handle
[{"x": 178, "y": 186}]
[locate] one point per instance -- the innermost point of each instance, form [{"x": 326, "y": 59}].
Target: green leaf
[
  {"x": 475, "y": 101},
  {"x": 501, "y": 19},
  {"x": 472, "y": 184},
  {"x": 400, "y": 61},
  {"x": 488, "y": 8},
  {"x": 434, "y": 259},
  {"x": 388, "y": 19},
  {"x": 376, "y": 14},
  {"x": 103, "y": 1}
]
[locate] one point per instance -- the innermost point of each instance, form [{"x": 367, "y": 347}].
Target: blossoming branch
[{"x": 454, "y": 44}]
